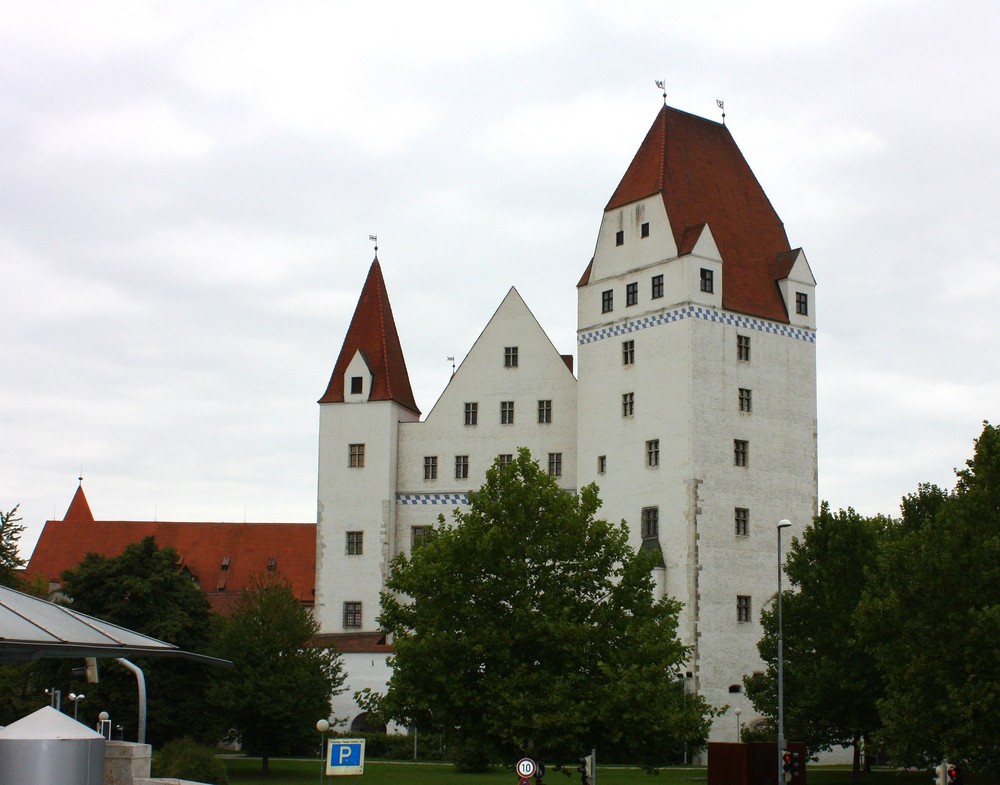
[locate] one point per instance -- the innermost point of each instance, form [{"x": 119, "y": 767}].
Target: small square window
[
  {"x": 742, "y": 521},
  {"x": 356, "y": 456},
  {"x": 357, "y": 384},
  {"x": 650, "y": 522},
  {"x": 653, "y": 452},
  {"x": 505, "y": 459},
  {"x": 545, "y": 411},
  {"x": 707, "y": 280},
  {"x": 607, "y": 301},
  {"x": 628, "y": 404},
  {"x": 802, "y": 303},
  {"x": 628, "y": 352},
  {"x": 417, "y": 535},
  {"x": 741, "y": 452},
  {"x": 619, "y": 237},
  {"x": 742, "y": 608},
  {"x": 355, "y": 543},
  {"x": 506, "y": 412},
  {"x": 352, "y": 615},
  {"x": 631, "y": 294},
  {"x": 744, "y": 400},
  {"x": 510, "y": 357},
  {"x": 657, "y": 288},
  {"x": 743, "y": 348},
  {"x": 602, "y": 464},
  {"x": 461, "y": 467},
  {"x": 555, "y": 464},
  {"x": 430, "y": 467},
  {"x": 472, "y": 413},
  {"x": 644, "y": 230}
]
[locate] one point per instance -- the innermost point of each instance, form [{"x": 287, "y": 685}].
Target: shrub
[{"x": 187, "y": 760}]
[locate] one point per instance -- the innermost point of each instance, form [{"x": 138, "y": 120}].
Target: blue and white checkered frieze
[
  {"x": 447, "y": 499},
  {"x": 696, "y": 312}
]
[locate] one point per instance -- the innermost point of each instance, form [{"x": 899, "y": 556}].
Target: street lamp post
[
  {"x": 322, "y": 726},
  {"x": 782, "y": 524},
  {"x": 76, "y": 698},
  {"x": 737, "y": 711}
]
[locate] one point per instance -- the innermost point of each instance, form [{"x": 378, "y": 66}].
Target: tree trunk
[
  {"x": 856, "y": 762},
  {"x": 265, "y": 758}
]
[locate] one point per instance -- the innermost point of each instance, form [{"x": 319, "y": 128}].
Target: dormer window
[
  {"x": 272, "y": 563},
  {"x": 357, "y": 384},
  {"x": 802, "y": 303},
  {"x": 225, "y": 563},
  {"x": 707, "y": 280}
]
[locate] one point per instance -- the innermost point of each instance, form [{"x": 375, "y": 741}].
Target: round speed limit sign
[{"x": 525, "y": 767}]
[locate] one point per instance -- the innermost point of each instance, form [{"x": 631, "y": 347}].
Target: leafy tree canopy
[{"x": 530, "y": 626}]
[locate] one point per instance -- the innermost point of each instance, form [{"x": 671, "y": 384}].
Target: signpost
[{"x": 345, "y": 756}]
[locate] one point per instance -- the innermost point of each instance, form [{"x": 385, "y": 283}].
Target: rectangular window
[
  {"x": 628, "y": 352},
  {"x": 545, "y": 411},
  {"x": 555, "y": 464},
  {"x": 506, "y": 412},
  {"x": 653, "y": 452},
  {"x": 741, "y": 452},
  {"x": 357, "y": 383},
  {"x": 472, "y": 414},
  {"x": 742, "y": 521},
  {"x": 744, "y": 399},
  {"x": 602, "y": 464},
  {"x": 505, "y": 459},
  {"x": 628, "y": 404},
  {"x": 430, "y": 467},
  {"x": 644, "y": 230},
  {"x": 743, "y": 348},
  {"x": 461, "y": 467},
  {"x": 631, "y": 293},
  {"x": 802, "y": 303},
  {"x": 355, "y": 543},
  {"x": 742, "y": 608},
  {"x": 619, "y": 237},
  {"x": 657, "y": 291},
  {"x": 510, "y": 357},
  {"x": 417, "y": 535},
  {"x": 707, "y": 280},
  {"x": 607, "y": 301},
  {"x": 352, "y": 615},
  {"x": 356, "y": 456},
  {"x": 650, "y": 522}
]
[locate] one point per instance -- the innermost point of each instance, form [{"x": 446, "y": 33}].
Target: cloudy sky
[{"x": 187, "y": 190}]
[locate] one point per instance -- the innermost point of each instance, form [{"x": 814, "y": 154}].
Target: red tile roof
[
  {"x": 695, "y": 165},
  {"x": 79, "y": 509},
  {"x": 373, "y": 332},
  {"x": 203, "y": 549}
]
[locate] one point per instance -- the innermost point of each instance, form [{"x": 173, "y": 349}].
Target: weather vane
[
  {"x": 722, "y": 106},
  {"x": 662, "y": 84},
  {"x": 452, "y": 361},
  {"x": 374, "y": 239}
]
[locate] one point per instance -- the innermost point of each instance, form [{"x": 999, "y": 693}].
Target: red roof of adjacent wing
[
  {"x": 703, "y": 177},
  {"x": 373, "y": 332}
]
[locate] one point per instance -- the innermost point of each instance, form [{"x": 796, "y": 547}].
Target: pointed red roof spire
[
  {"x": 373, "y": 333},
  {"x": 79, "y": 509},
  {"x": 701, "y": 174}
]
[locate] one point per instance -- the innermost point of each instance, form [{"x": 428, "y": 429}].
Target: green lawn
[{"x": 246, "y": 771}]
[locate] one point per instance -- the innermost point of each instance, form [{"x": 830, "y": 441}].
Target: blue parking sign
[{"x": 345, "y": 756}]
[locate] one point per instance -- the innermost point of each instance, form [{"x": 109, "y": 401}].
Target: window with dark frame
[
  {"x": 355, "y": 543},
  {"x": 742, "y": 522},
  {"x": 620, "y": 237},
  {"x": 650, "y": 522},
  {"x": 506, "y": 412},
  {"x": 607, "y": 300},
  {"x": 743, "y": 348},
  {"x": 744, "y": 400},
  {"x": 802, "y": 303},
  {"x": 352, "y": 615},
  {"x": 742, "y": 608},
  {"x": 510, "y": 357},
  {"x": 472, "y": 413},
  {"x": 545, "y": 411},
  {"x": 461, "y": 467},
  {"x": 628, "y": 352},
  {"x": 631, "y": 294},
  {"x": 644, "y": 230},
  {"x": 417, "y": 535},
  {"x": 505, "y": 459},
  {"x": 707, "y": 280},
  {"x": 357, "y": 384},
  {"x": 741, "y": 452},
  {"x": 628, "y": 404},
  {"x": 356, "y": 456},
  {"x": 430, "y": 467},
  {"x": 602, "y": 464},
  {"x": 555, "y": 464},
  {"x": 657, "y": 287},
  {"x": 653, "y": 452}
]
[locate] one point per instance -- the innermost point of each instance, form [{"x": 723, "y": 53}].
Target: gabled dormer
[
  {"x": 358, "y": 379},
  {"x": 798, "y": 288}
]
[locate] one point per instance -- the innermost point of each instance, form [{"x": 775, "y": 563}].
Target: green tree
[
  {"x": 145, "y": 590},
  {"x": 529, "y": 626},
  {"x": 282, "y": 683},
  {"x": 933, "y": 615},
  {"x": 831, "y": 680},
  {"x": 11, "y": 530}
]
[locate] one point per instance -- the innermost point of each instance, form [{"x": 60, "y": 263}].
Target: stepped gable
[
  {"x": 695, "y": 165},
  {"x": 373, "y": 333}
]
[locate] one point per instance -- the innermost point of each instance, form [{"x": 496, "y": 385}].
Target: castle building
[{"x": 694, "y": 410}]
